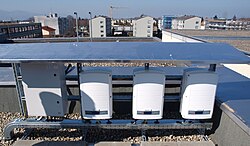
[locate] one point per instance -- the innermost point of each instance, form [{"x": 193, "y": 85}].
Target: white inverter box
[
  {"x": 44, "y": 87},
  {"x": 148, "y": 94},
  {"x": 198, "y": 93},
  {"x": 96, "y": 94}
]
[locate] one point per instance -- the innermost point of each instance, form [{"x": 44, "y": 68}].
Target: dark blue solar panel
[{"x": 210, "y": 53}]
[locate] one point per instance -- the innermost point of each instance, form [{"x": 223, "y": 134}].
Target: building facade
[
  {"x": 100, "y": 26},
  {"x": 143, "y": 27},
  {"x": 60, "y": 24},
  {"x": 123, "y": 22},
  {"x": 216, "y": 24},
  {"x": 186, "y": 22},
  {"x": 167, "y": 22},
  {"x": 227, "y": 24},
  {"x": 20, "y": 30},
  {"x": 160, "y": 24},
  {"x": 48, "y": 31}
]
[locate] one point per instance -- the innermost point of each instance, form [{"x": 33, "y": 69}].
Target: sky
[{"x": 132, "y": 8}]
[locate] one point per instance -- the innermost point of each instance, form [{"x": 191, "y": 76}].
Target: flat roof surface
[
  {"x": 208, "y": 53},
  {"x": 233, "y": 90}
]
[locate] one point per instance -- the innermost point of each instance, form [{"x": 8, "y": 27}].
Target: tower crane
[{"x": 111, "y": 10}]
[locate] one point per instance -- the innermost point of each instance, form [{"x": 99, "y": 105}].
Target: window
[
  {"x": 101, "y": 31},
  {"x": 102, "y": 35},
  {"x": 101, "y": 26},
  {"x": 149, "y": 26},
  {"x": 197, "y": 22},
  {"x": 101, "y": 21}
]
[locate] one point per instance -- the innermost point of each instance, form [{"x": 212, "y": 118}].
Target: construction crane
[{"x": 111, "y": 10}]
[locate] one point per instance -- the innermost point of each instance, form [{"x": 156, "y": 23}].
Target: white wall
[
  {"x": 192, "y": 23},
  {"x": 48, "y": 21},
  {"x": 178, "y": 24},
  {"x": 173, "y": 37},
  {"x": 160, "y": 24},
  {"x": 101, "y": 27},
  {"x": 143, "y": 27},
  {"x": 98, "y": 27},
  {"x": 45, "y": 32}
]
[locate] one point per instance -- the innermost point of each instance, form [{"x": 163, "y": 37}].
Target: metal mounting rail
[{"x": 115, "y": 124}]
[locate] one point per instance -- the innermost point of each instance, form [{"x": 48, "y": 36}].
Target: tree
[
  {"x": 234, "y": 18},
  {"x": 215, "y": 17},
  {"x": 202, "y": 19},
  {"x": 142, "y": 15}
]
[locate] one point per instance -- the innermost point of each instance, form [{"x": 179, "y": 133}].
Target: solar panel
[{"x": 210, "y": 53}]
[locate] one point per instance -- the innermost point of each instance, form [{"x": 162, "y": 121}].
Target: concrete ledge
[
  {"x": 81, "y": 143},
  {"x": 113, "y": 144},
  {"x": 243, "y": 69},
  {"x": 228, "y": 132},
  {"x": 179, "y": 143},
  {"x": 48, "y": 143}
]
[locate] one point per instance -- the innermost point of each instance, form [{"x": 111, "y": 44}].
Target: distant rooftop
[
  {"x": 101, "y": 16},
  {"x": 216, "y": 20},
  {"x": 47, "y": 28},
  {"x": 184, "y": 17},
  {"x": 16, "y": 23},
  {"x": 142, "y": 16}
]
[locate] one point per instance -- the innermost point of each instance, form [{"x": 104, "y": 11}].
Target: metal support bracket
[{"x": 212, "y": 67}]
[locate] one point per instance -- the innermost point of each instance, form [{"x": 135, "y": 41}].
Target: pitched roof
[
  {"x": 101, "y": 16},
  {"x": 184, "y": 17},
  {"x": 47, "y": 28},
  {"x": 141, "y": 17}
]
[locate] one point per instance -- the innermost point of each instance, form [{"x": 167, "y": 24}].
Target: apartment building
[
  {"x": 186, "y": 22},
  {"x": 167, "y": 21},
  {"x": 227, "y": 24},
  {"x": 13, "y": 30},
  {"x": 60, "y": 24},
  {"x": 143, "y": 27},
  {"x": 100, "y": 26}
]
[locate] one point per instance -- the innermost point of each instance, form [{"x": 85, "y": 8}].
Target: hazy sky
[{"x": 132, "y": 8}]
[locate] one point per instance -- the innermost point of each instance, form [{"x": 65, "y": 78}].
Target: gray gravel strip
[{"x": 98, "y": 135}]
